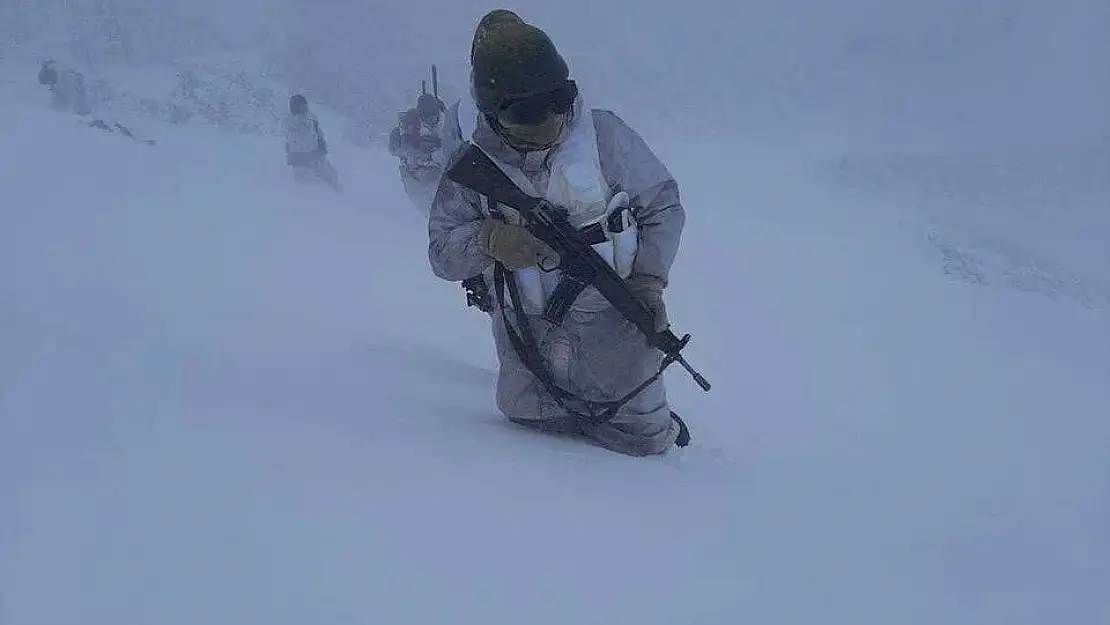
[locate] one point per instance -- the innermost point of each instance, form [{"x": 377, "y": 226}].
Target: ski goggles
[{"x": 534, "y": 109}]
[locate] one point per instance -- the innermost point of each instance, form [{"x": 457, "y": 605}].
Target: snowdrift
[{"x": 229, "y": 398}]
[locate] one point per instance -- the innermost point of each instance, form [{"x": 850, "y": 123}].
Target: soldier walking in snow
[
  {"x": 424, "y": 140},
  {"x": 535, "y": 126},
  {"x": 417, "y": 141},
  {"x": 67, "y": 88},
  {"x": 306, "y": 149}
]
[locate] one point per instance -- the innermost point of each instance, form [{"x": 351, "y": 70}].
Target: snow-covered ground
[{"x": 226, "y": 398}]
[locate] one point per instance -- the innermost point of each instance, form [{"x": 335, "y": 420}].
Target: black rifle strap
[
  {"x": 524, "y": 343},
  {"x": 527, "y": 349}
]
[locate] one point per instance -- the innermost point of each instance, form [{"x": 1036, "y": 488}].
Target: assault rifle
[{"x": 474, "y": 170}]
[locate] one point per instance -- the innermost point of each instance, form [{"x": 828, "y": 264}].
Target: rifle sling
[
  {"x": 562, "y": 298},
  {"x": 527, "y": 349}
]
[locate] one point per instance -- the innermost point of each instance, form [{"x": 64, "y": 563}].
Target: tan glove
[
  {"x": 515, "y": 247},
  {"x": 649, "y": 290}
]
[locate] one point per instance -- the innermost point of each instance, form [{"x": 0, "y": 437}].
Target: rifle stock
[{"x": 475, "y": 170}]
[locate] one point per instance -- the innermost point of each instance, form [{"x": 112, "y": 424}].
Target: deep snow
[{"x": 228, "y": 398}]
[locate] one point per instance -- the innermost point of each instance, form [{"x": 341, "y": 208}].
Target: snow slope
[{"x": 229, "y": 399}]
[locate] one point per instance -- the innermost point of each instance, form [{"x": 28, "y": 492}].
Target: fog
[
  {"x": 228, "y": 397},
  {"x": 990, "y": 72}
]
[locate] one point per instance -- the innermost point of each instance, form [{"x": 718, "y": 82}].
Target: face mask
[{"x": 533, "y": 137}]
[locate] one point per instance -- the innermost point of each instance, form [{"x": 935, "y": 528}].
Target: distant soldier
[
  {"x": 418, "y": 142},
  {"x": 67, "y": 88},
  {"x": 306, "y": 149}
]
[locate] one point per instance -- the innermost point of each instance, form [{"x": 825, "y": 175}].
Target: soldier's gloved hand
[
  {"x": 649, "y": 290},
  {"x": 514, "y": 247}
]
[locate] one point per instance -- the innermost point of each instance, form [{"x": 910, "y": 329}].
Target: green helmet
[
  {"x": 511, "y": 59},
  {"x": 495, "y": 18}
]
